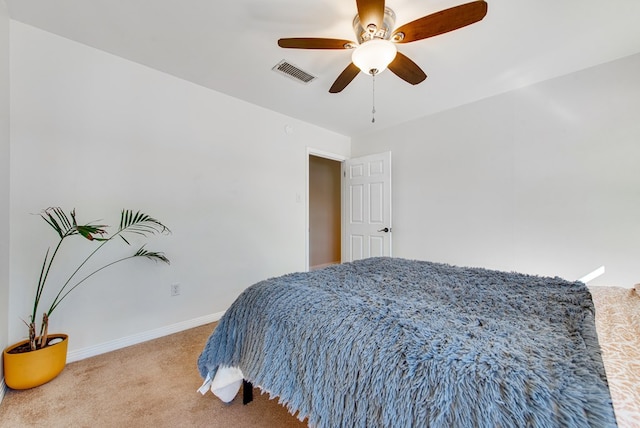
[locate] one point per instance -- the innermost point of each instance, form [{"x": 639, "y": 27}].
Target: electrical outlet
[{"x": 175, "y": 289}]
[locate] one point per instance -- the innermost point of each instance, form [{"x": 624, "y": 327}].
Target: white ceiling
[{"x": 231, "y": 47}]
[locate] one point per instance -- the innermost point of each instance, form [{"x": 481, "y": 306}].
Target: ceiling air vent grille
[{"x": 290, "y": 70}]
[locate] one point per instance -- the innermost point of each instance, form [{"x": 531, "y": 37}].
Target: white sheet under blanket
[{"x": 225, "y": 385}]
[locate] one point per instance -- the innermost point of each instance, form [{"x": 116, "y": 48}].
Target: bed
[{"x": 391, "y": 342}]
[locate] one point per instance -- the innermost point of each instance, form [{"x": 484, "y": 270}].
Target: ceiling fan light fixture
[
  {"x": 374, "y": 56},
  {"x": 374, "y": 48}
]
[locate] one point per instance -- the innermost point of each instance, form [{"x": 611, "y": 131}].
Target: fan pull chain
[{"x": 373, "y": 102}]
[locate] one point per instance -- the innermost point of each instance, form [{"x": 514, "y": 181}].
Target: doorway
[{"x": 325, "y": 211}]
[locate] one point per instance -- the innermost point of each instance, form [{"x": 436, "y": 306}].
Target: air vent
[{"x": 293, "y": 72}]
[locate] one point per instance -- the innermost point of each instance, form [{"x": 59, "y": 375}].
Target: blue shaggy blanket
[{"x": 388, "y": 342}]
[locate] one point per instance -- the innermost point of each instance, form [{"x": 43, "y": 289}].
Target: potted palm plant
[{"x": 42, "y": 357}]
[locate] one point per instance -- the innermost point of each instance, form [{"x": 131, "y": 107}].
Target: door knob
[{"x": 385, "y": 230}]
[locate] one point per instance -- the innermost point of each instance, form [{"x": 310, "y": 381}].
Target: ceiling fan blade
[
  {"x": 406, "y": 69},
  {"x": 441, "y": 22},
  {"x": 371, "y": 12},
  {"x": 315, "y": 43},
  {"x": 347, "y": 75}
]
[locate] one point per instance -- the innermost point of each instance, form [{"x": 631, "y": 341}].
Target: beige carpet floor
[{"x": 152, "y": 384}]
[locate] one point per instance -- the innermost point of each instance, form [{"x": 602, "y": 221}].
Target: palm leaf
[
  {"x": 140, "y": 223},
  {"x": 152, "y": 255},
  {"x": 88, "y": 230},
  {"x": 58, "y": 220}
]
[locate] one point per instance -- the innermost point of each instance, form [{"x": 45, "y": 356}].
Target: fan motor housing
[{"x": 370, "y": 32}]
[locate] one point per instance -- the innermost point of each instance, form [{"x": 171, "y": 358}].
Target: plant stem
[
  {"x": 43, "y": 279},
  {"x": 59, "y": 299},
  {"x": 45, "y": 331},
  {"x": 32, "y": 335}
]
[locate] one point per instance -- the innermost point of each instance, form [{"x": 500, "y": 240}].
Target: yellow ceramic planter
[{"x": 30, "y": 369}]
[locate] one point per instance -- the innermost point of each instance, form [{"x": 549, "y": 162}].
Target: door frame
[{"x": 332, "y": 156}]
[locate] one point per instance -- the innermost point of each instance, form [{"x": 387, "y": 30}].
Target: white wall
[
  {"x": 98, "y": 133},
  {"x": 541, "y": 180},
  {"x": 4, "y": 178}
]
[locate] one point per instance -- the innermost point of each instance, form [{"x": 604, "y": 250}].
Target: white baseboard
[
  {"x": 3, "y": 389},
  {"x": 92, "y": 351}
]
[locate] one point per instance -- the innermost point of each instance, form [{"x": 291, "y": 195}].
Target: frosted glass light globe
[{"x": 373, "y": 56}]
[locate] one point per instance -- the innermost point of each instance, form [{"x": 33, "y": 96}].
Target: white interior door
[{"x": 367, "y": 203}]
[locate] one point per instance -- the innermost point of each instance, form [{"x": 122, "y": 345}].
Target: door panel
[
  {"x": 357, "y": 204},
  {"x": 376, "y": 202},
  {"x": 368, "y": 206},
  {"x": 356, "y": 249},
  {"x": 376, "y": 245}
]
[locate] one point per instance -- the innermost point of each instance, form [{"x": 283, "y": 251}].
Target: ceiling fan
[{"x": 375, "y": 49}]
